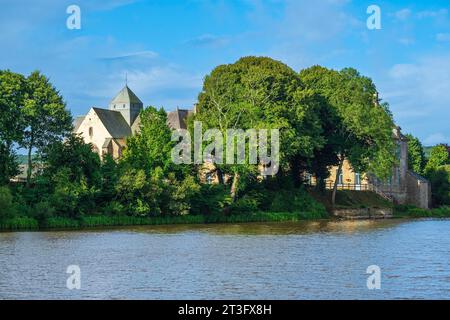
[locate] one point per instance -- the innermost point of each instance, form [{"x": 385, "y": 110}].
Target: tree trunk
[
  {"x": 320, "y": 184},
  {"x": 336, "y": 180},
  {"x": 234, "y": 187},
  {"x": 296, "y": 172},
  {"x": 30, "y": 163},
  {"x": 219, "y": 176}
]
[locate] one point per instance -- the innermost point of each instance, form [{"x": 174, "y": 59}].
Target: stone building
[
  {"x": 403, "y": 187},
  {"x": 108, "y": 129}
]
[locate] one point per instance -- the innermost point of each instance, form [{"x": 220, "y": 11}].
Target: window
[
  {"x": 357, "y": 178},
  {"x": 91, "y": 131},
  {"x": 340, "y": 178},
  {"x": 209, "y": 178},
  {"x": 124, "y": 106}
]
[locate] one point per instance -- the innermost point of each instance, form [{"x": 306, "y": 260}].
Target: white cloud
[
  {"x": 432, "y": 13},
  {"x": 419, "y": 94},
  {"x": 406, "y": 41},
  {"x": 209, "y": 40},
  {"x": 443, "y": 37},
  {"x": 436, "y": 138},
  {"x": 403, "y": 14}
]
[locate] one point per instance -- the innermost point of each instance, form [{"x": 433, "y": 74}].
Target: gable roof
[
  {"x": 177, "y": 119},
  {"x": 77, "y": 123},
  {"x": 125, "y": 96},
  {"x": 136, "y": 126},
  {"x": 114, "y": 122}
]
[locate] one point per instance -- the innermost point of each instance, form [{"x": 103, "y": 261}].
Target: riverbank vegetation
[{"x": 323, "y": 116}]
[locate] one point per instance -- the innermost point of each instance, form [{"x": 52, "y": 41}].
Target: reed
[{"x": 20, "y": 223}]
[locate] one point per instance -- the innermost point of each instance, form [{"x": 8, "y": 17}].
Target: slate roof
[
  {"x": 177, "y": 119},
  {"x": 77, "y": 122},
  {"x": 125, "y": 96},
  {"x": 136, "y": 126},
  {"x": 113, "y": 122}
]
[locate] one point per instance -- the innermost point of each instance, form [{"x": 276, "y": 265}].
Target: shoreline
[{"x": 25, "y": 224}]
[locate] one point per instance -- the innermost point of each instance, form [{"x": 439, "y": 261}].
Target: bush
[
  {"x": 440, "y": 185},
  {"x": 296, "y": 200},
  {"x": 19, "y": 223},
  {"x": 113, "y": 208},
  {"x": 7, "y": 207},
  {"x": 213, "y": 199},
  {"x": 414, "y": 212},
  {"x": 245, "y": 205},
  {"x": 42, "y": 211}
]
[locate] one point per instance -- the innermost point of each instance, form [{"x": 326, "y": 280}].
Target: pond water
[{"x": 306, "y": 260}]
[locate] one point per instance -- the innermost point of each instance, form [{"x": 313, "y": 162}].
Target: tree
[
  {"x": 439, "y": 156},
  {"x": 440, "y": 185},
  {"x": 71, "y": 177},
  {"x": 12, "y": 94},
  {"x": 152, "y": 146},
  {"x": 46, "y": 118},
  {"x": 416, "y": 155},
  {"x": 7, "y": 208},
  {"x": 259, "y": 92},
  {"x": 77, "y": 156},
  {"x": 362, "y": 128},
  {"x": 150, "y": 183}
]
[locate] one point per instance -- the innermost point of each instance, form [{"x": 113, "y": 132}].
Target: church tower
[{"x": 128, "y": 104}]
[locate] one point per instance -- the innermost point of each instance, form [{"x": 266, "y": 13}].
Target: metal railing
[{"x": 378, "y": 189}]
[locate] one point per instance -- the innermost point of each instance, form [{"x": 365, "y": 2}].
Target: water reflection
[
  {"x": 275, "y": 228},
  {"x": 305, "y": 260}
]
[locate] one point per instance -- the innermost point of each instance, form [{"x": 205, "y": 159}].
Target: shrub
[
  {"x": 296, "y": 200},
  {"x": 113, "y": 208},
  {"x": 440, "y": 185},
  {"x": 213, "y": 199},
  {"x": 7, "y": 207},
  {"x": 245, "y": 205},
  {"x": 42, "y": 211},
  {"x": 19, "y": 223}
]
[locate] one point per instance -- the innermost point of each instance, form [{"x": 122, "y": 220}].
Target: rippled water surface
[{"x": 308, "y": 260}]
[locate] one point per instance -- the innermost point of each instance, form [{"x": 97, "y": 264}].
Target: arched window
[{"x": 91, "y": 131}]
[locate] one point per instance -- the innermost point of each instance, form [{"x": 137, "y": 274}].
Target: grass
[
  {"x": 110, "y": 221},
  {"x": 413, "y": 212},
  {"x": 350, "y": 199},
  {"x": 25, "y": 223},
  {"x": 19, "y": 223}
]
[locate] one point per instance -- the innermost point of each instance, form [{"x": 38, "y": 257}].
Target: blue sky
[{"x": 167, "y": 46}]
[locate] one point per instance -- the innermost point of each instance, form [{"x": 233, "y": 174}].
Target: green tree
[
  {"x": 71, "y": 180},
  {"x": 416, "y": 155},
  {"x": 440, "y": 185},
  {"x": 150, "y": 183},
  {"x": 439, "y": 156},
  {"x": 73, "y": 153},
  {"x": 7, "y": 208},
  {"x": 46, "y": 118},
  {"x": 12, "y": 94},
  {"x": 362, "y": 131},
  {"x": 259, "y": 92},
  {"x": 152, "y": 146}
]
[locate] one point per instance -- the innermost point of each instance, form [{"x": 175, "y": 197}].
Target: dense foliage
[
  {"x": 323, "y": 115},
  {"x": 416, "y": 155}
]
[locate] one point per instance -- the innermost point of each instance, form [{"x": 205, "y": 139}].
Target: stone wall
[
  {"x": 363, "y": 213},
  {"x": 418, "y": 191}
]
